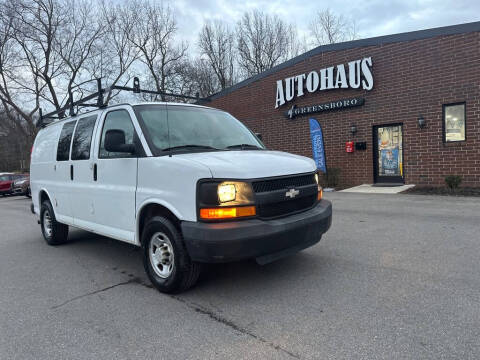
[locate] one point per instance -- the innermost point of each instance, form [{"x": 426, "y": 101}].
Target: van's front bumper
[{"x": 264, "y": 240}]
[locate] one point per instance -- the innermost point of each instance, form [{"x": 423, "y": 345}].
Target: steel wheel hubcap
[
  {"x": 161, "y": 255},
  {"x": 47, "y": 223}
]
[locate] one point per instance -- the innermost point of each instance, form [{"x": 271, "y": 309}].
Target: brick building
[{"x": 409, "y": 103}]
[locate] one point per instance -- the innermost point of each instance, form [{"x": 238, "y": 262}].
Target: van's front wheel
[{"x": 165, "y": 257}]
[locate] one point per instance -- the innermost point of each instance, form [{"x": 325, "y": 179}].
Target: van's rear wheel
[
  {"x": 165, "y": 257},
  {"x": 53, "y": 232}
]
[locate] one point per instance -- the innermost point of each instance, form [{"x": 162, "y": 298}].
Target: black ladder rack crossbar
[{"x": 70, "y": 105}]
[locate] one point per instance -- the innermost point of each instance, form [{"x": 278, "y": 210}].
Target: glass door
[{"x": 388, "y": 154}]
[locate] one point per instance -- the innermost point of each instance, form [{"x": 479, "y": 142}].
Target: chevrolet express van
[{"x": 188, "y": 184}]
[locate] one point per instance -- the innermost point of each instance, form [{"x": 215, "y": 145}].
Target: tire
[
  {"x": 162, "y": 242},
  {"x": 53, "y": 232},
  {"x": 28, "y": 193}
]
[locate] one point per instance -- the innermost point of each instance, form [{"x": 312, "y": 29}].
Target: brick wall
[{"x": 410, "y": 78}]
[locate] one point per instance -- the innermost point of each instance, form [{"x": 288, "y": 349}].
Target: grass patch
[{"x": 432, "y": 190}]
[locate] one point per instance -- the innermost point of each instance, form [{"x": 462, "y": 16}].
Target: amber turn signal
[
  {"x": 227, "y": 213},
  {"x": 320, "y": 193}
]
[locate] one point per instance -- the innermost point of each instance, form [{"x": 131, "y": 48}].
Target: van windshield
[{"x": 190, "y": 129}]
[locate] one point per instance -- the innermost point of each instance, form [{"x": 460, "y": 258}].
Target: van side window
[
  {"x": 83, "y": 138},
  {"x": 118, "y": 120},
  {"x": 63, "y": 149}
]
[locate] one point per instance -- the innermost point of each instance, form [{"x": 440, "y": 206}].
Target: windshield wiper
[
  {"x": 244, "y": 146},
  {"x": 191, "y": 146}
]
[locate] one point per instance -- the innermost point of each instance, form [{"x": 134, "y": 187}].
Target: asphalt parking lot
[{"x": 396, "y": 277}]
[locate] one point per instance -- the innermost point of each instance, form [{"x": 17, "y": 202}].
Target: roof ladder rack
[{"x": 99, "y": 95}]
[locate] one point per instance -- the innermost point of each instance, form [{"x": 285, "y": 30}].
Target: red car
[{"x": 6, "y": 182}]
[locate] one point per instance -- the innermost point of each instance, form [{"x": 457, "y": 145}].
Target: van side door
[
  {"x": 61, "y": 181},
  {"x": 115, "y": 176},
  {"x": 81, "y": 169}
]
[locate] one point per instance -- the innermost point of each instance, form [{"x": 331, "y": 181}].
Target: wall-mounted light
[
  {"x": 421, "y": 122},
  {"x": 353, "y": 129}
]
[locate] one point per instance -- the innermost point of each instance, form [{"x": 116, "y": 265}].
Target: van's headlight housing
[
  {"x": 234, "y": 197},
  {"x": 225, "y": 193}
]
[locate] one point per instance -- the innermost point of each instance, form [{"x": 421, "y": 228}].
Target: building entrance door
[{"x": 388, "y": 153}]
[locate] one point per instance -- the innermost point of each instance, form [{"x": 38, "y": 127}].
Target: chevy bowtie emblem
[{"x": 292, "y": 193}]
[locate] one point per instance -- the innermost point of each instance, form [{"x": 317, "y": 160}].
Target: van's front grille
[
  {"x": 274, "y": 200},
  {"x": 283, "y": 183},
  {"x": 286, "y": 207}
]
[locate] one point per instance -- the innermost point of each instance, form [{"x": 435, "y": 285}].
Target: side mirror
[
  {"x": 115, "y": 142},
  {"x": 258, "y": 135}
]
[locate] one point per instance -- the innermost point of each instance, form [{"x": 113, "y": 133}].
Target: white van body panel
[
  {"x": 248, "y": 164},
  {"x": 42, "y": 168},
  {"x": 170, "y": 181}
]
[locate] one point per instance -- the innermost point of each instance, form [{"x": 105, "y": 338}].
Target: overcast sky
[{"x": 373, "y": 18}]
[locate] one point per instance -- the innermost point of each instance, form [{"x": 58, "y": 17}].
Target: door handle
[
  {"x": 71, "y": 171},
  {"x": 94, "y": 172}
]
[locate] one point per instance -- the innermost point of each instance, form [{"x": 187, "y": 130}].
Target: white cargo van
[{"x": 187, "y": 183}]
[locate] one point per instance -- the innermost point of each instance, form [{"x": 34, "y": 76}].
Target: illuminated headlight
[
  {"x": 234, "y": 193},
  {"x": 226, "y": 192},
  {"x": 316, "y": 178}
]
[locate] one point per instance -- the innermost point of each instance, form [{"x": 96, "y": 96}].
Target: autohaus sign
[{"x": 334, "y": 77}]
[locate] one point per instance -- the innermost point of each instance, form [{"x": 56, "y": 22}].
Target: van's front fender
[{"x": 153, "y": 201}]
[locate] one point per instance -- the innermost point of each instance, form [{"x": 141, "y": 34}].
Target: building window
[{"x": 454, "y": 122}]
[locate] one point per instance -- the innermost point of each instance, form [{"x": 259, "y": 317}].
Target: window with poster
[{"x": 454, "y": 122}]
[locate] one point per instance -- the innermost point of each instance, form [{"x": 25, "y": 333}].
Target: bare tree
[
  {"x": 77, "y": 41},
  {"x": 199, "y": 78},
  {"x": 216, "y": 43},
  {"x": 329, "y": 28},
  {"x": 206, "y": 83},
  {"x": 263, "y": 41},
  {"x": 153, "y": 33},
  {"x": 14, "y": 145},
  {"x": 117, "y": 53},
  {"x": 49, "y": 48},
  {"x": 29, "y": 66}
]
